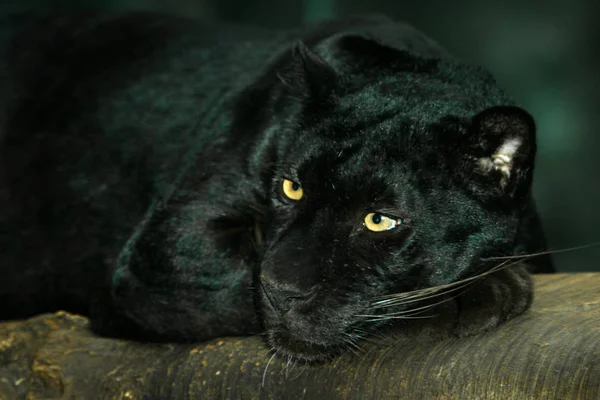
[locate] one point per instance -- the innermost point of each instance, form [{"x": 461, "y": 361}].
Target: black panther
[{"x": 178, "y": 181}]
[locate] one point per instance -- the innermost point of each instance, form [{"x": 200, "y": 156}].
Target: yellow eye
[
  {"x": 292, "y": 190},
  {"x": 378, "y": 223}
]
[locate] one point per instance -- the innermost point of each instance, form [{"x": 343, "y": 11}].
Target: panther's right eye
[
  {"x": 292, "y": 190},
  {"x": 377, "y": 222}
]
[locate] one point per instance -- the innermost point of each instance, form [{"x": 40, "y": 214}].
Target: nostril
[
  {"x": 282, "y": 297},
  {"x": 289, "y": 299}
]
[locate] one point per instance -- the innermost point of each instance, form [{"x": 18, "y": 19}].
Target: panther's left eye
[
  {"x": 378, "y": 223},
  {"x": 292, "y": 190}
]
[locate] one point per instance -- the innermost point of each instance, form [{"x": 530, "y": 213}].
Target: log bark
[{"x": 551, "y": 352}]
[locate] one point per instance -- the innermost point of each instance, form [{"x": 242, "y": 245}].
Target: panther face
[{"x": 380, "y": 183}]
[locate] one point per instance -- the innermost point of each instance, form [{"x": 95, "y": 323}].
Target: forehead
[
  {"x": 352, "y": 171},
  {"x": 370, "y": 140},
  {"x": 379, "y": 161},
  {"x": 412, "y": 97}
]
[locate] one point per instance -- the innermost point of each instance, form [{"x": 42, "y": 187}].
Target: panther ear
[
  {"x": 309, "y": 76},
  {"x": 503, "y": 147},
  {"x": 385, "y": 46}
]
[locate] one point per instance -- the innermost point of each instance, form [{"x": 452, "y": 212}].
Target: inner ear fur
[{"x": 503, "y": 147}]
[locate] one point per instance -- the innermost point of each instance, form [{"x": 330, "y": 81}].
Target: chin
[{"x": 312, "y": 352}]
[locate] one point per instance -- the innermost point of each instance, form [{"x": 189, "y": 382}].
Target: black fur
[{"x": 142, "y": 161}]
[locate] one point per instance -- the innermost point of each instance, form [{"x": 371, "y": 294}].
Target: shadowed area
[{"x": 553, "y": 351}]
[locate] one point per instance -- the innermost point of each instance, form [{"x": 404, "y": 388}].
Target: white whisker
[
  {"x": 545, "y": 252},
  {"x": 413, "y": 299},
  {"x": 411, "y": 313},
  {"x": 435, "y": 289},
  {"x": 267, "y": 367},
  {"x": 351, "y": 346},
  {"x": 426, "y": 307},
  {"x": 377, "y": 318}
]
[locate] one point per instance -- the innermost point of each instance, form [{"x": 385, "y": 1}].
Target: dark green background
[{"x": 544, "y": 52}]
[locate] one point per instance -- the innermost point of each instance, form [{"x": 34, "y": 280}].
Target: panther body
[{"x": 179, "y": 181}]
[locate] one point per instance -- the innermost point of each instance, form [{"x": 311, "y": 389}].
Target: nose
[{"x": 283, "y": 297}]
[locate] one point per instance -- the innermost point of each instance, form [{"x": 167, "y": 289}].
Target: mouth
[{"x": 305, "y": 350}]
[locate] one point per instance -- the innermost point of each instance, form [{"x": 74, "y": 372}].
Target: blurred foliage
[{"x": 541, "y": 52}]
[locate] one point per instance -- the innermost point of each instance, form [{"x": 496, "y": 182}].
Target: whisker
[
  {"x": 288, "y": 372},
  {"x": 301, "y": 371},
  {"x": 425, "y": 307},
  {"x": 353, "y": 341},
  {"x": 541, "y": 253},
  {"x": 266, "y": 353},
  {"x": 267, "y": 367},
  {"x": 421, "y": 292},
  {"x": 351, "y": 346},
  {"x": 288, "y": 363},
  {"x": 410, "y": 313},
  {"x": 413, "y": 299},
  {"x": 362, "y": 334},
  {"x": 436, "y": 289},
  {"x": 383, "y": 317}
]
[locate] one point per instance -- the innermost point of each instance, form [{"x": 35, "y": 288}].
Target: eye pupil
[
  {"x": 376, "y": 218},
  {"x": 295, "y": 186}
]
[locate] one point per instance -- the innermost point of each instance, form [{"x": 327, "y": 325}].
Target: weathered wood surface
[{"x": 552, "y": 352}]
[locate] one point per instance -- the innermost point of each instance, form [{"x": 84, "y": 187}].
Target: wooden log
[{"x": 551, "y": 352}]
